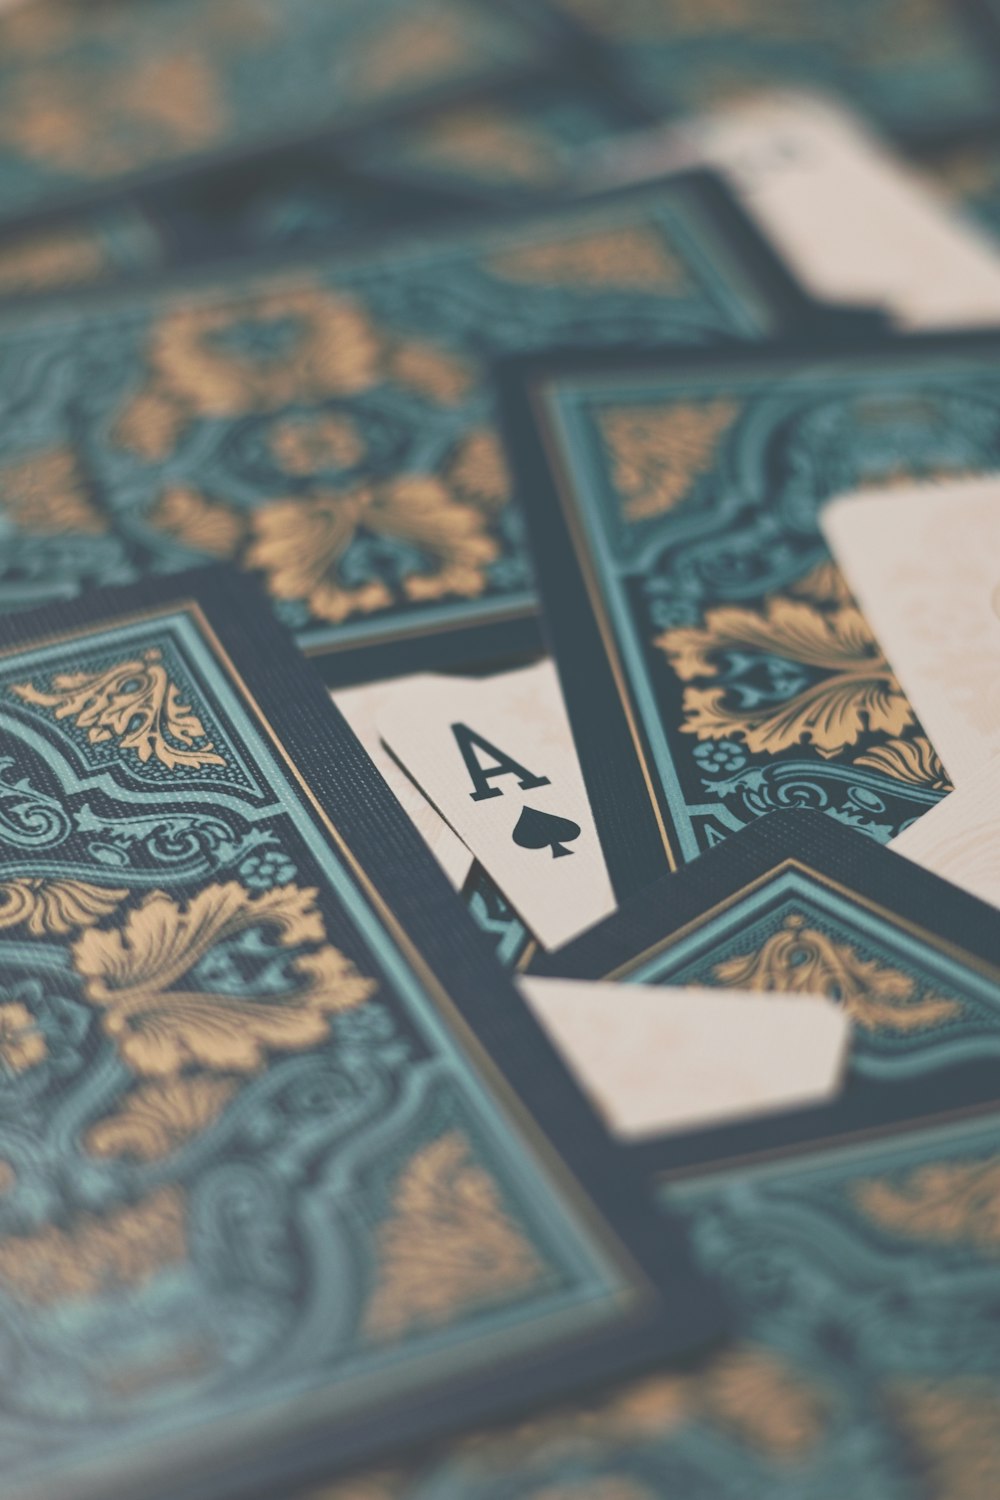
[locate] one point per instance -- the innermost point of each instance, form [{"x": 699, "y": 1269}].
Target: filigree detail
[
  {"x": 158, "y": 1117},
  {"x": 55, "y": 907},
  {"x": 44, "y": 495},
  {"x": 636, "y": 259},
  {"x": 307, "y": 445},
  {"x": 945, "y": 1203},
  {"x": 801, "y": 960},
  {"x": 96, "y": 1254},
  {"x": 448, "y": 1245},
  {"x": 22, "y": 1043},
  {"x": 300, "y": 543},
  {"x": 134, "y": 702},
  {"x": 130, "y": 975},
  {"x": 658, "y": 451},
  {"x": 857, "y": 691},
  {"x": 260, "y": 354},
  {"x": 478, "y": 470},
  {"x": 199, "y": 523},
  {"x": 913, "y": 761}
]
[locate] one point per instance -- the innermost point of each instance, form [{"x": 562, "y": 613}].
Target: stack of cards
[{"x": 499, "y": 749}]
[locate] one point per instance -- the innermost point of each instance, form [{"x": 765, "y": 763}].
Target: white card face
[
  {"x": 360, "y": 707},
  {"x": 655, "y": 1060},
  {"x": 496, "y": 758},
  {"x": 959, "y": 839},
  {"x": 854, "y": 222},
  {"x": 923, "y": 562}
]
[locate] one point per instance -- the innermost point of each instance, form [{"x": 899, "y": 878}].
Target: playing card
[
  {"x": 361, "y": 707},
  {"x": 331, "y": 425},
  {"x": 797, "y": 904},
  {"x": 289, "y": 1173},
  {"x": 100, "y": 94},
  {"x": 855, "y": 221},
  {"x": 924, "y": 564},
  {"x": 497, "y": 760},
  {"x": 714, "y": 663},
  {"x": 656, "y": 1060},
  {"x": 960, "y": 838}
]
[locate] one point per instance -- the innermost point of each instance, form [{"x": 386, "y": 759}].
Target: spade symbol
[{"x": 539, "y": 830}]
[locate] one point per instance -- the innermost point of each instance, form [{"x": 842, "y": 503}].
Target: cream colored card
[
  {"x": 360, "y": 707},
  {"x": 655, "y": 1060},
  {"x": 496, "y": 758},
  {"x": 923, "y": 562},
  {"x": 960, "y": 838},
  {"x": 855, "y": 222}
]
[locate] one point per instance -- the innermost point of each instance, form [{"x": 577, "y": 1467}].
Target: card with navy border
[
  {"x": 713, "y": 662},
  {"x": 797, "y": 903},
  {"x": 288, "y": 1173},
  {"x": 433, "y": 159},
  {"x": 331, "y": 424},
  {"x": 97, "y": 96}
]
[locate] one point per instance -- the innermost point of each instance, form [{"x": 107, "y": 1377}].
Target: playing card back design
[
  {"x": 233, "y": 1090},
  {"x": 714, "y": 663},
  {"x": 332, "y": 427},
  {"x": 796, "y": 904}
]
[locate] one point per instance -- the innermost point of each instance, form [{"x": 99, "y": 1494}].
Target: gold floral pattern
[
  {"x": 955, "y": 1426},
  {"x": 657, "y": 452},
  {"x": 61, "y": 257},
  {"x": 134, "y": 702},
  {"x": 448, "y": 1244},
  {"x": 769, "y": 1406},
  {"x": 306, "y": 445},
  {"x": 299, "y": 544},
  {"x": 414, "y": 50},
  {"x": 201, "y": 524},
  {"x": 946, "y": 1203},
  {"x": 856, "y": 692},
  {"x": 22, "y": 1044},
  {"x": 130, "y": 975},
  {"x": 158, "y": 1117},
  {"x": 750, "y": 1392},
  {"x": 258, "y": 354},
  {"x": 800, "y": 960},
  {"x": 486, "y": 141},
  {"x": 478, "y": 471},
  {"x": 823, "y": 584},
  {"x": 636, "y": 259},
  {"x": 432, "y": 372},
  {"x": 83, "y": 123},
  {"x": 45, "y": 495},
  {"x": 914, "y": 761},
  {"x": 96, "y": 1254},
  {"x": 55, "y": 907}
]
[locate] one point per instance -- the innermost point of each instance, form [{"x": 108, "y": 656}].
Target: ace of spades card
[{"x": 497, "y": 760}]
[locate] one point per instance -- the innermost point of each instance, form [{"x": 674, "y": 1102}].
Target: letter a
[{"x": 469, "y": 742}]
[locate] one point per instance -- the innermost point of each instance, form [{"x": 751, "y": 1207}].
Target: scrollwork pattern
[
  {"x": 800, "y": 959},
  {"x": 133, "y": 702}
]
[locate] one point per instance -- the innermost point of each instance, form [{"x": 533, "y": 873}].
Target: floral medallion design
[
  {"x": 219, "y": 1107},
  {"x": 133, "y": 702}
]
